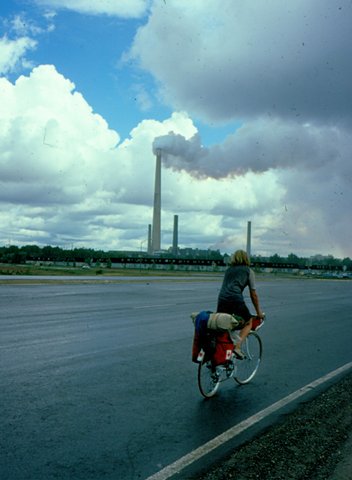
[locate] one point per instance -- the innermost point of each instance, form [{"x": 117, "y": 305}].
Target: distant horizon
[{"x": 317, "y": 256}]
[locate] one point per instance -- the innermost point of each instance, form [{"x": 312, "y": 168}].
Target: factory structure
[
  {"x": 154, "y": 230},
  {"x": 156, "y": 225}
]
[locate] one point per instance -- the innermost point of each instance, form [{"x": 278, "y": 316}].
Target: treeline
[
  {"x": 20, "y": 255},
  {"x": 27, "y": 253},
  {"x": 33, "y": 253},
  {"x": 317, "y": 260}
]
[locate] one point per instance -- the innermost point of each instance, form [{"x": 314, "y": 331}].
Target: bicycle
[{"x": 242, "y": 371}]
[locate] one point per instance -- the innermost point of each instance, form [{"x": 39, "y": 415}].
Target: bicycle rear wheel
[
  {"x": 208, "y": 379},
  {"x": 252, "y": 349}
]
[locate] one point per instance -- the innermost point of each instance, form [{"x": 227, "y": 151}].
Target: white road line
[{"x": 198, "y": 453}]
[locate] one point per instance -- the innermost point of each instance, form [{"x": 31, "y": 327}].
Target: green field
[{"x": 35, "y": 270}]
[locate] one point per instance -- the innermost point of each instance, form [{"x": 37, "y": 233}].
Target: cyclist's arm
[
  {"x": 253, "y": 294},
  {"x": 255, "y": 301}
]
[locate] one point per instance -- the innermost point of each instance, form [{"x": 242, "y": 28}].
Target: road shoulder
[{"x": 314, "y": 442}]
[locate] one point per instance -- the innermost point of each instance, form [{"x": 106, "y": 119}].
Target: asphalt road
[{"x": 97, "y": 381}]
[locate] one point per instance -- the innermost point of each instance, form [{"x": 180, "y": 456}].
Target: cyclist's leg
[
  {"x": 252, "y": 349},
  {"x": 242, "y": 311},
  {"x": 239, "y": 309},
  {"x": 244, "y": 333}
]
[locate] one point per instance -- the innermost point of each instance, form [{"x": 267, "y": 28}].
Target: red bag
[
  {"x": 223, "y": 349},
  {"x": 203, "y": 345},
  {"x": 196, "y": 347}
]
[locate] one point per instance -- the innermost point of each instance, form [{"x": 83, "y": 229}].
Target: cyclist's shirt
[{"x": 236, "y": 279}]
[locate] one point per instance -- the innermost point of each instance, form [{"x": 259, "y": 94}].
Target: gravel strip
[{"x": 312, "y": 443}]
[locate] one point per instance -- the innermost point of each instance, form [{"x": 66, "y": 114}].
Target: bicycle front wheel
[
  {"x": 252, "y": 349},
  {"x": 208, "y": 379}
]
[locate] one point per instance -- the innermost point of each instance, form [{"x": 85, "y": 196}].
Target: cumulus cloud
[
  {"x": 120, "y": 8},
  {"x": 49, "y": 136},
  {"x": 53, "y": 145}
]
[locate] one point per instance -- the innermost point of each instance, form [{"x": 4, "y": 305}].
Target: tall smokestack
[
  {"x": 149, "y": 239},
  {"x": 157, "y": 204},
  {"x": 175, "y": 237},
  {"x": 249, "y": 239}
]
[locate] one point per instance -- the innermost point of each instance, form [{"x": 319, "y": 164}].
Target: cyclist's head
[{"x": 239, "y": 257}]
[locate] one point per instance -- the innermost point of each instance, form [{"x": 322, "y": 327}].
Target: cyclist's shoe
[{"x": 238, "y": 354}]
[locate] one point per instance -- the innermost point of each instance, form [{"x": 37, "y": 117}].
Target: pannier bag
[
  {"x": 223, "y": 349},
  {"x": 211, "y": 336},
  {"x": 201, "y": 339}
]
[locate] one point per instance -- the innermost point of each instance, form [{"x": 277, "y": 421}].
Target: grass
[{"x": 35, "y": 270}]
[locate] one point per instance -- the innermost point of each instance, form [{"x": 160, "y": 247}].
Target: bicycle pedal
[
  {"x": 200, "y": 356},
  {"x": 239, "y": 354}
]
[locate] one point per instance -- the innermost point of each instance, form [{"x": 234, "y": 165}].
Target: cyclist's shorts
[{"x": 236, "y": 308}]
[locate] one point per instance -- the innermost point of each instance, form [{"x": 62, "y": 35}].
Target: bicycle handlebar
[{"x": 258, "y": 322}]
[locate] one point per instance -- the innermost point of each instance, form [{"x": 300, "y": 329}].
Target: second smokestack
[
  {"x": 249, "y": 235},
  {"x": 156, "y": 226},
  {"x": 175, "y": 237}
]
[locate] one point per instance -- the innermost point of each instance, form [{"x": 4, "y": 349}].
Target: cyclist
[{"x": 237, "y": 277}]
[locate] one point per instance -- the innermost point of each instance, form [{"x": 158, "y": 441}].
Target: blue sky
[
  {"x": 249, "y": 101},
  {"x": 88, "y": 50}
]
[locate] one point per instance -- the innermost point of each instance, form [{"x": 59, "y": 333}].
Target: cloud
[
  {"x": 120, "y": 8},
  {"x": 50, "y": 136},
  {"x": 142, "y": 97},
  {"x": 245, "y": 59},
  {"x": 13, "y": 53},
  {"x": 22, "y": 26},
  {"x": 257, "y": 146},
  {"x": 20, "y": 41},
  {"x": 293, "y": 181}
]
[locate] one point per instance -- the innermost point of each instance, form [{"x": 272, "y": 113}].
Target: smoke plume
[{"x": 257, "y": 147}]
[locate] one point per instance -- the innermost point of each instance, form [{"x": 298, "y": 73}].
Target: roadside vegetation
[{"x": 35, "y": 260}]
